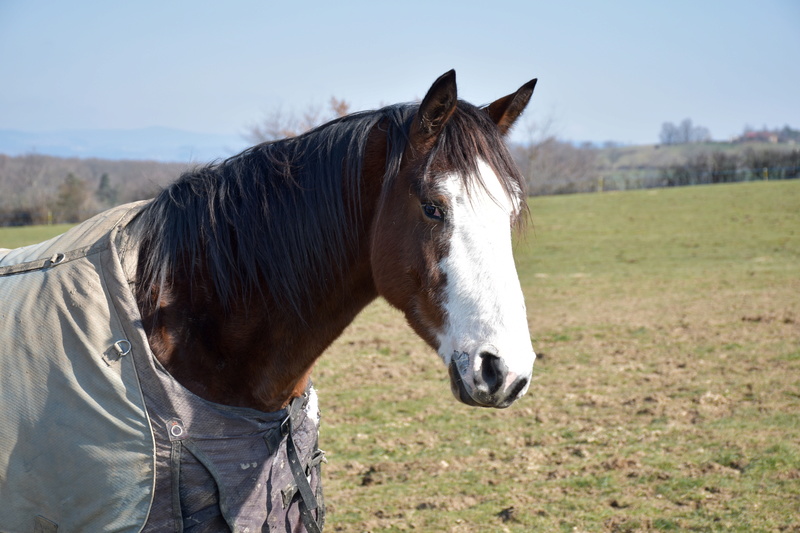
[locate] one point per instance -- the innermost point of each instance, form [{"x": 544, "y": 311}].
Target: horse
[{"x": 222, "y": 292}]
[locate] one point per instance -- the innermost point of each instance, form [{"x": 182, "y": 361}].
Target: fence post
[{"x": 765, "y": 173}]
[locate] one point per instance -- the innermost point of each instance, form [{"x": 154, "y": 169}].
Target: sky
[{"x": 608, "y": 71}]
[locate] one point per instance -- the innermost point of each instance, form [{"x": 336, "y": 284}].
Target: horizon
[{"x": 169, "y": 145}]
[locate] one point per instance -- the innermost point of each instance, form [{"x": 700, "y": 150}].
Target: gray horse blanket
[{"x": 96, "y": 436}]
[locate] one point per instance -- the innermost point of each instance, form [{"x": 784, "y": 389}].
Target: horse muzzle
[{"x": 490, "y": 384}]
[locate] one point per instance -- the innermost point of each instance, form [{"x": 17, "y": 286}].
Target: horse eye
[{"x": 433, "y": 212}]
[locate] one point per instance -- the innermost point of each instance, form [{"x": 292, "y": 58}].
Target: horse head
[{"x": 441, "y": 246}]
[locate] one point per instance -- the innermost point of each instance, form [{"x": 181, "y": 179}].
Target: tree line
[
  {"x": 686, "y": 156},
  {"x": 38, "y": 189},
  {"x": 558, "y": 167},
  {"x": 721, "y": 167}
]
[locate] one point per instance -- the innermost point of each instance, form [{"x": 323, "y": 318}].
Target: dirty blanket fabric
[{"x": 96, "y": 435}]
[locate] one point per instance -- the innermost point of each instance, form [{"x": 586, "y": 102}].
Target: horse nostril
[
  {"x": 515, "y": 392},
  {"x": 493, "y": 371}
]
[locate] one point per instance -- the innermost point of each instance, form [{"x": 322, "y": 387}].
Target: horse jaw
[{"x": 485, "y": 341}]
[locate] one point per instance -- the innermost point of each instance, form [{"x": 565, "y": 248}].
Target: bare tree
[
  {"x": 279, "y": 124},
  {"x": 73, "y": 198},
  {"x": 558, "y": 167},
  {"x": 339, "y": 108},
  {"x": 683, "y": 133},
  {"x": 553, "y": 166},
  {"x": 669, "y": 133}
]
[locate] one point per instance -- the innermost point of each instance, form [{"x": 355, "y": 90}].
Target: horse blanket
[{"x": 95, "y": 435}]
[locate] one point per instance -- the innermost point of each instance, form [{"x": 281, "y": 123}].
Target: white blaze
[{"x": 483, "y": 300}]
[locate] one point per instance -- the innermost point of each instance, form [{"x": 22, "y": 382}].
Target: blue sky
[{"x": 607, "y": 70}]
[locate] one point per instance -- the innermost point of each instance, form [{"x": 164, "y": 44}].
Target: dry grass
[{"x": 666, "y": 396}]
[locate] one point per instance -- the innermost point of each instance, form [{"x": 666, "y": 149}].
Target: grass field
[
  {"x": 666, "y": 396},
  {"x": 15, "y": 237}
]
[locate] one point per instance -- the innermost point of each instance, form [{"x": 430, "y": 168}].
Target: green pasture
[
  {"x": 15, "y": 237},
  {"x": 666, "y": 396}
]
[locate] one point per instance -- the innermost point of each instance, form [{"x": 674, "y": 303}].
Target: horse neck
[{"x": 259, "y": 354}]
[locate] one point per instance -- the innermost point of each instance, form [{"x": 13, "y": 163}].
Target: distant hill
[
  {"x": 144, "y": 144},
  {"x": 560, "y": 167},
  {"x": 658, "y": 156}
]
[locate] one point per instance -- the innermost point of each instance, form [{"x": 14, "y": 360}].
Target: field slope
[{"x": 666, "y": 396}]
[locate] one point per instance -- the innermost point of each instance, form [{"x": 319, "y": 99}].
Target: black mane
[{"x": 275, "y": 213}]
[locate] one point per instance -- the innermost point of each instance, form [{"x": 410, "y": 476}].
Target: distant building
[
  {"x": 757, "y": 136},
  {"x": 786, "y": 135}
]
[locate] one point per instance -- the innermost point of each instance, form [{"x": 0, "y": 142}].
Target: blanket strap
[{"x": 308, "y": 501}]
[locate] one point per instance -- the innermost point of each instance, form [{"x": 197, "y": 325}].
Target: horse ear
[
  {"x": 435, "y": 110},
  {"x": 505, "y": 111}
]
